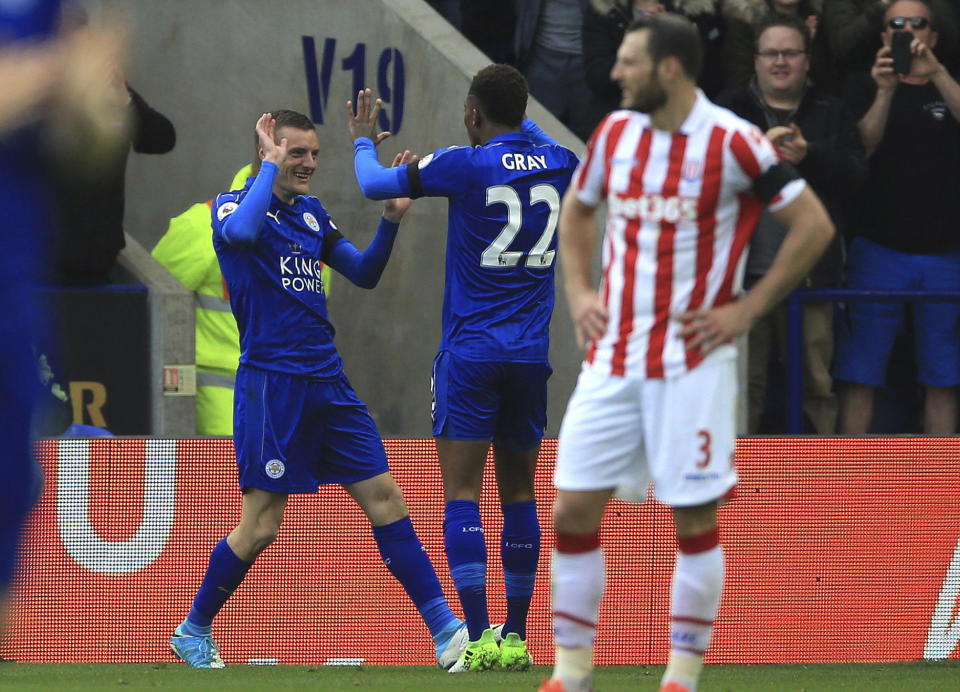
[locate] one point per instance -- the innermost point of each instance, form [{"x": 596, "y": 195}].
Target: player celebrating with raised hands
[
  {"x": 490, "y": 376},
  {"x": 297, "y": 421}
]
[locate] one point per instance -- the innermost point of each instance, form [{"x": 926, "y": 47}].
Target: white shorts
[{"x": 622, "y": 433}]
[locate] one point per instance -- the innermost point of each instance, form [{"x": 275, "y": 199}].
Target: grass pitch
[{"x": 888, "y": 677}]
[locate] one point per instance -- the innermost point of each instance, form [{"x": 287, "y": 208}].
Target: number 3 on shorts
[{"x": 704, "y": 461}]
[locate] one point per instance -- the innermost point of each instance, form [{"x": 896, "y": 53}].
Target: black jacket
[
  {"x": 603, "y": 33},
  {"x": 835, "y": 165},
  {"x": 89, "y": 231}
]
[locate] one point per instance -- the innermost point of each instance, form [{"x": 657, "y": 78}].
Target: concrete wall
[
  {"x": 214, "y": 66},
  {"x": 172, "y": 313}
]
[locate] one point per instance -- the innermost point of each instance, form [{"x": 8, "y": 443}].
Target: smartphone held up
[{"x": 900, "y": 51}]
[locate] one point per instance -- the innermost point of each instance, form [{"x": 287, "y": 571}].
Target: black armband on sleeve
[
  {"x": 413, "y": 180},
  {"x": 330, "y": 240},
  {"x": 768, "y": 185}
]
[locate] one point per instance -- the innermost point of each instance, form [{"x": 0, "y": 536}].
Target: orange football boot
[
  {"x": 674, "y": 686},
  {"x": 552, "y": 685}
]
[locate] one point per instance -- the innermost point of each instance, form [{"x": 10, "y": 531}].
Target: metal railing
[{"x": 794, "y": 362}]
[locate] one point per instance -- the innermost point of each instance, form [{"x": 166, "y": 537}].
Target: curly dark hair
[{"x": 501, "y": 93}]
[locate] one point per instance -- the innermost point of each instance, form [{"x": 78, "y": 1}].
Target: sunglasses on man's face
[{"x": 900, "y": 23}]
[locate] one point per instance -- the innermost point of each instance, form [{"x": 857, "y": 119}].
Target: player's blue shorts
[
  {"x": 866, "y": 331},
  {"x": 293, "y": 434},
  {"x": 505, "y": 403}
]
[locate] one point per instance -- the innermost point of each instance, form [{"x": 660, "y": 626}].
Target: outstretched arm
[
  {"x": 536, "y": 135},
  {"x": 376, "y": 181},
  {"x": 365, "y": 268},
  {"x": 29, "y": 77}
]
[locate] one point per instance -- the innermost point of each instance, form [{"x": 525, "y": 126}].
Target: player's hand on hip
[
  {"x": 708, "y": 329},
  {"x": 270, "y": 150},
  {"x": 394, "y": 209},
  {"x": 362, "y": 121},
  {"x": 589, "y": 315}
]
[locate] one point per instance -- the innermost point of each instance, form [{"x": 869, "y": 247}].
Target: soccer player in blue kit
[
  {"x": 49, "y": 80},
  {"x": 490, "y": 376},
  {"x": 22, "y": 220},
  {"x": 297, "y": 421}
]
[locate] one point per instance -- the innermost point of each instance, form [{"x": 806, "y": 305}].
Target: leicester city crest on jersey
[
  {"x": 224, "y": 210},
  {"x": 311, "y": 221},
  {"x": 275, "y": 468}
]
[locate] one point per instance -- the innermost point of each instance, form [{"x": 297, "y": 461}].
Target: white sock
[
  {"x": 694, "y": 598},
  {"x": 574, "y": 668},
  {"x": 684, "y": 668},
  {"x": 578, "y": 581}
]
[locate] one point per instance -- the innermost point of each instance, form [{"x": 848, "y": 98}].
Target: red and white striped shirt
[{"x": 680, "y": 212}]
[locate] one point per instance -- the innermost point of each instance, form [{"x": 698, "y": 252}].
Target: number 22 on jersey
[{"x": 539, "y": 257}]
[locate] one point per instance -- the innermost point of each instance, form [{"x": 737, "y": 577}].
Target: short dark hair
[
  {"x": 672, "y": 35},
  {"x": 788, "y": 21},
  {"x": 804, "y": 8},
  {"x": 928, "y": 3},
  {"x": 501, "y": 92},
  {"x": 932, "y": 8},
  {"x": 286, "y": 118}
]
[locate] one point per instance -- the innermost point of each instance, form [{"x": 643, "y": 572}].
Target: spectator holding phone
[
  {"x": 851, "y": 29},
  {"x": 906, "y": 235}
]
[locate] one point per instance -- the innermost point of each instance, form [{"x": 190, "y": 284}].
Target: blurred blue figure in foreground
[{"x": 53, "y": 97}]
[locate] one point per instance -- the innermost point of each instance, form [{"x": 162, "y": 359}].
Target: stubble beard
[{"x": 651, "y": 98}]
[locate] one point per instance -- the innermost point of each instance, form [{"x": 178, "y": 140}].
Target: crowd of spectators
[{"x": 880, "y": 149}]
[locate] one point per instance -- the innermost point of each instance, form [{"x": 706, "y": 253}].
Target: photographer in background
[
  {"x": 851, "y": 32},
  {"x": 816, "y": 133},
  {"x": 906, "y": 235}
]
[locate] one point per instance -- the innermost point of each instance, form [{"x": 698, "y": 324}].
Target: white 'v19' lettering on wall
[{"x": 77, "y": 534}]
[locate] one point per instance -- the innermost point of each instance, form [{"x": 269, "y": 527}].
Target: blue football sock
[
  {"x": 467, "y": 557},
  {"x": 520, "y": 551},
  {"x": 405, "y": 557},
  {"x": 224, "y": 574}
]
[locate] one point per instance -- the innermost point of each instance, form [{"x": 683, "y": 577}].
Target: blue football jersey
[
  {"x": 20, "y": 19},
  {"x": 275, "y": 288},
  {"x": 504, "y": 201},
  {"x": 24, "y": 222},
  {"x": 24, "y": 174}
]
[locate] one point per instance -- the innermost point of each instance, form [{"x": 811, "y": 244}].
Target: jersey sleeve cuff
[
  {"x": 788, "y": 193},
  {"x": 363, "y": 143}
]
